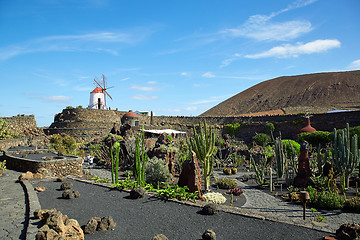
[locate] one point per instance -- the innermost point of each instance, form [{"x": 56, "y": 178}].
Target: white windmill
[{"x": 98, "y": 95}]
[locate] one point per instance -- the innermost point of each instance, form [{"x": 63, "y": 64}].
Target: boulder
[
  {"x": 191, "y": 175},
  {"x": 136, "y": 193},
  {"x": 348, "y": 231},
  {"x": 58, "y": 226},
  {"x": 39, "y": 188},
  {"x": 76, "y": 194},
  {"x": 68, "y": 194},
  {"x": 91, "y": 225},
  {"x": 106, "y": 223},
  {"x": 66, "y": 185},
  {"x": 26, "y": 176},
  {"x": 37, "y": 176},
  {"x": 209, "y": 209},
  {"x": 159, "y": 237},
  {"x": 209, "y": 234}
]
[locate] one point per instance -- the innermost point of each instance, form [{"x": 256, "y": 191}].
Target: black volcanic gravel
[{"x": 144, "y": 218}]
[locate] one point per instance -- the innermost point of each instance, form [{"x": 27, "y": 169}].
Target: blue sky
[{"x": 171, "y": 57}]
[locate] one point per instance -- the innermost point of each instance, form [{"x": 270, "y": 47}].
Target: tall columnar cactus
[
  {"x": 259, "y": 170},
  {"x": 280, "y": 157},
  {"x": 346, "y": 155},
  {"x": 140, "y": 160},
  {"x": 203, "y": 144},
  {"x": 114, "y": 152}
]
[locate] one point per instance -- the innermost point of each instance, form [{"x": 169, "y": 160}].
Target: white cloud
[
  {"x": 260, "y": 27},
  {"x": 144, "y": 97},
  {"x": 288, "y": 50},
  {"x": 184, "y": 74},
  {"x": 55, "y": 98},
  {"x": 355, "y": 65},
  {"x": 228, "y": 61},
  {"x": 196, "y": 85},
  {"x": 208, "y": 75},
  {"x": 144, "y": 88},
  {"x": 191, "y": 108},
  {"x": 108, "y": 42},
  {"x": 152, "y": 82},
  {"x": 125, "y": 79}
]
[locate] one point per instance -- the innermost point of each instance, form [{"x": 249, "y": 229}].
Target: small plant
[
  {"x": 214, "y": 197},
  {"x": 97, "y": 179},
  {"x": 226, "y": 183},
  {"x": 140, "y": 157},
  {"x": 157, "y": 171},
  {"x": 233, "y": 170},
  {"x": 173, "y": 191},
  {"x": 2, "y": 167},
  {"x": 128, "y": 174},
  {"x": 235, "y": 191},
  {"x": 317, "y": 216},
  {"x": 227, "y": 171},
  {"x": 353, "y": 204},
  {"x": 259, "y": 170}
]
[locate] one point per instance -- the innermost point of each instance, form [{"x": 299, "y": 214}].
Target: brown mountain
[{"x": 313, "y": 93}]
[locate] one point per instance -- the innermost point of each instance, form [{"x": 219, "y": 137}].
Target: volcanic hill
[{"x": 312, "y": 93}]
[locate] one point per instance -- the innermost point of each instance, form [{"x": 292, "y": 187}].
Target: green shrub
[
  {"x": 226, "y": 183},
  {"x": 326, "y": 200},
  {"x": 69, "y": 144},
  {"x": 262, "y": 139},
  {"x": 56, "y": 143},
  {"x": 295, "y": 146},
  {"x": 315, "y": 138},
  {"x": 69, "y": 107},
  {"x": 128, "y": 174},
  {"x": 353, "y": 204},
  {"x": 232, "y": 129},
  {"x": 157, "y": 171},
  {"x": 169, "y": 137}
]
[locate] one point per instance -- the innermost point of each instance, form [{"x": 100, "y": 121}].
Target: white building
[{"x": 97, "y": 99}]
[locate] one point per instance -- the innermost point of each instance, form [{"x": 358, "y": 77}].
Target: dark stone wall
[
  {"x": 61, "y": 167},
  {"x": 21, "y": 123}
]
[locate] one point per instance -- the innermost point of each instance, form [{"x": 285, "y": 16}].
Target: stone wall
[
  {"x": 21, "y": 123},
  {"x": 99, "y": 122},
  {"x": 23, "y": 141},
  {"x": 59, "y": 167}
]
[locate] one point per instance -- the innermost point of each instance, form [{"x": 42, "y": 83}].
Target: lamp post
[{"x": 304, "y": 197}]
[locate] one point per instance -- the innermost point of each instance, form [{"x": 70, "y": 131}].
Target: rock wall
[
  {"x": 23, "y": 141},
  {"x": 60, "y": 167},
  {"x": 21, "y": 123},
  {"x": 94, "y": 122}
]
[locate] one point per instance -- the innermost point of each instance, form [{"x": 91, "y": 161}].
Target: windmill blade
[
  {"x": 109, "y": 87},
  {"x": 106, "y": 93},
  {"x": 96, "y": 80},
  {"x": 104, "y": 80}
]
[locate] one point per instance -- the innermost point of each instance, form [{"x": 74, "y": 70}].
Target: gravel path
[
  {"x": 273, "y": 207},
  {"x": 144, "y": 218}
]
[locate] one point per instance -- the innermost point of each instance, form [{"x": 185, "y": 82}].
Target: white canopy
[{"x": 160, "y": 131}]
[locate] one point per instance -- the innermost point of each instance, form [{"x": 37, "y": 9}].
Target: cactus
[
  {"x": 259, "y": 171},
  {"x": 140, "y": 160},
  {"x": 114, "y": 152},
  {"x": 280, "y": 157},
  {"x": 203, "y": 144},
  {"x": 346, "y": 155}
]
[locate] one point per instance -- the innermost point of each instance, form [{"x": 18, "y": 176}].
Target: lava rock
[
  {"x": 348, "y": 231},
  {"x": 91, "y": 225},
  {"x": 60, "y": 179},
  {"x": 137, "y": 193},
  {"x": 210, "y": 209},
  {"x": 26, "y": 176},
  {"x": 209, "y": 234},
  {"x": 66, "y": 185},
  {"x": 106, "y": 223},
  {"x": 68, "y": 194},
  {"x": 76, "y": 194},
  {"x": 159, "y": 237},
  {"x": 39, "y": 188}
]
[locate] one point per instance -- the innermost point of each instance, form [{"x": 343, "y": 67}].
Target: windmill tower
[{"x": 98, "y": 95}]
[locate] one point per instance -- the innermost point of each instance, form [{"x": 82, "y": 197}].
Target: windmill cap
[{"x": 97, "y": 90}]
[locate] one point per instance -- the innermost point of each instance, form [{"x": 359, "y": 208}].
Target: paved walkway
[{"x": 17, "y": 202}]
